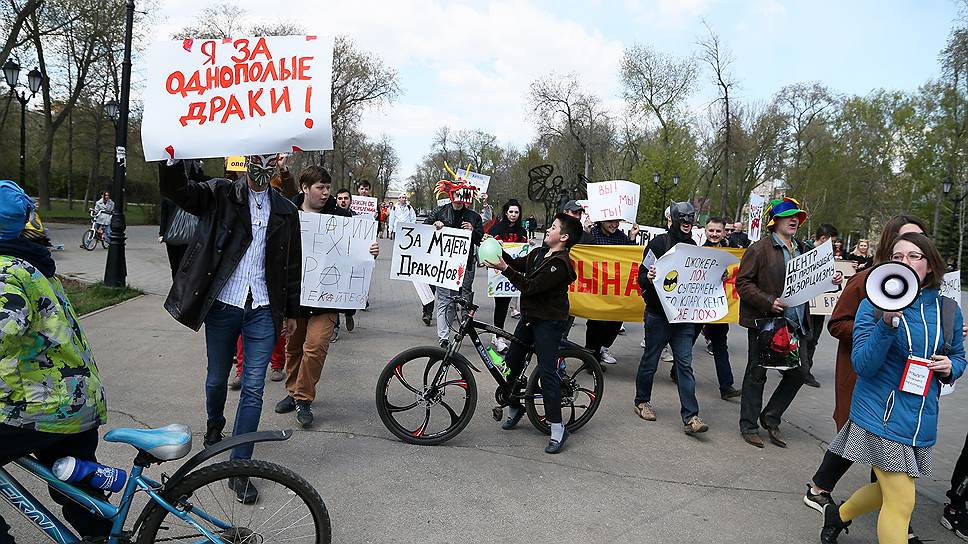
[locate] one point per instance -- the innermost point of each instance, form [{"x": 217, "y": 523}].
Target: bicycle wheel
[
  {"x": 582, "y": 385},
  {"x": 417, "y": 411},
  {"x": 288, "y": 508},
  {"x": 89, "y": 241}
]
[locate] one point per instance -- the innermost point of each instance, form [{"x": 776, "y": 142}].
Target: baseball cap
[{"x": 573, "y": 206}]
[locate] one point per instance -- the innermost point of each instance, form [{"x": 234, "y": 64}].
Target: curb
[{"x": 106, "y": 308}]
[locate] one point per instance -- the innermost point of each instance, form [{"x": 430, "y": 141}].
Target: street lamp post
[
  {"x": 657, "y": 180},
  {"x": 115, "y": 268},
  {"x": 11, "y": 73},
  {"x": 946, "y": 187}
]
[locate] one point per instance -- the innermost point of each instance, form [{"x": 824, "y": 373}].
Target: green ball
[{"x": 490, "y": 250}]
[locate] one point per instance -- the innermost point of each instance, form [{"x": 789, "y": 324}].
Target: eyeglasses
[
  {"x": 729, "y": 230},
  {"x": 913, "y": 257}
]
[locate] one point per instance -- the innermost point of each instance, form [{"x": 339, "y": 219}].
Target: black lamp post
[
  {"x": 115, "y": 268},
  {"x": 11, "y": 73},
  {"x": 657, "y": 180},
  {"x": 946, "y": 186}
]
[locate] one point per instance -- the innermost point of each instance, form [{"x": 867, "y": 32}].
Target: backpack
[{"x": 948, "y": 308}]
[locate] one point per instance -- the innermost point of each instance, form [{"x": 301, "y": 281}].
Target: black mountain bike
[{"x": 427, "y": 395}]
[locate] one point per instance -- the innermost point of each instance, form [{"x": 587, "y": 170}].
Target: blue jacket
[{"x": 879, "y": 356}]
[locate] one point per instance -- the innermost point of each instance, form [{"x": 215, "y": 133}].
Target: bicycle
[
  {"x": 193, "y": 505},
  {"x": 94, "y": 234},
  {"x": 582, "y": 385}
]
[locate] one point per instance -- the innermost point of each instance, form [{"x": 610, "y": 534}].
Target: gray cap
[{"x": 572, "y": 206}]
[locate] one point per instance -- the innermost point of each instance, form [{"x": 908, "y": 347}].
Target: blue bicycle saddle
[{"x": 165, "y": 443}]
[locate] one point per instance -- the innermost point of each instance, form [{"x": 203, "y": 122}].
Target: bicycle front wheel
[
  {"x": 582, "y": 385},
  {"x": 89, "y": 240},
  {"x": 418, "y": 410},
  {"x": 268, "y": 503}
]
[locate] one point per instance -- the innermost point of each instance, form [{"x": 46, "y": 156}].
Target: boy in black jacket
[{"x": 543, "y": 277}]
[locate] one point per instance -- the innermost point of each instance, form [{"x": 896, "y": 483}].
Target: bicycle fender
[{"x": 222, "y": 446}]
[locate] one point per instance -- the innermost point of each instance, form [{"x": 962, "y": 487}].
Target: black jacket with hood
[
  {"x": 543, "y": 280},
  {"x": 660, "y": 245}
]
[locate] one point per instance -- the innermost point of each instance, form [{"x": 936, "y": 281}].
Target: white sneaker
[
  {"x": 515, "y": 313},
  {"x": 642, "y": 343},
  {"x": 667, "y": 355},
  {"x": 607, "y": 357},
  {"x": 499, "y": 344},
  {"x": 622, "y": 329}
]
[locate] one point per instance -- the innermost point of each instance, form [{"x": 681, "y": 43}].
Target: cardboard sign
[
  {"x": 951, "y": 286},
  {"x": 809, "y": 275},
  {"x": 823, "y": 304},
  {"x": 754, "y": 228},
  {"x": 235, "y": 164},
  {"x": 245, "y": 96},
  {"x": 498, "y": 286},
  {"x": 337, "y": 265},
  {"x": 477, "y": 180},
  {"x": 689, "y": 282},
  {"x": 363, "y": 205},
  {"x": 435, "y": 257},
  {"x": 616, "y": 199}
]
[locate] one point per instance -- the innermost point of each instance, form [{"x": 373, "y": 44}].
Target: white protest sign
[
  {"x": 754, "y": 228},
  {"x": 951, "y": 286},
  {"x": 648, "y": 233},
  {"x": 497, "y": 284},
  {"x": 363, "y": 205},
  {"x": 443, "y": 201},
  {"x": 699, "y": 235},
  {"x": 245, "y": 96},
  {"x": 689, "y": 282},
  {"x": 823, "y": 304},
  {"x": 337, "y": 265},
  {"x": 477, "y": 180},
  {"x": 424, "y": 292},
  {"x": 616, "y": 199},
  {"x": 809, "y": 275},
  {"x": 421, "y": 253}
]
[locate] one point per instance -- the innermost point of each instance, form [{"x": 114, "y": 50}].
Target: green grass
[
  {"x": 88, "y": 297},
  {"x": 59, "y": 213}
]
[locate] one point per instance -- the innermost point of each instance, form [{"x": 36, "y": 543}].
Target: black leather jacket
[{"x": 224, "y": 233}]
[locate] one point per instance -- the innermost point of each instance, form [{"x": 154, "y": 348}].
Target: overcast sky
[{"x": 468, "y": 65}]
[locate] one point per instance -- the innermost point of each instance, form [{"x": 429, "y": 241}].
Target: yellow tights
[{"x": 893, "y": 494}]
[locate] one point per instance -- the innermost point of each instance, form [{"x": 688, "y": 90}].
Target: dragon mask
[{"x": 459, "y": 190}]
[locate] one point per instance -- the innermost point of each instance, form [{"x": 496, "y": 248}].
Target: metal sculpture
[{"x": 553, "y": 192}]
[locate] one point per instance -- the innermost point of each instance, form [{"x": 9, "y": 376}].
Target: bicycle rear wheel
[
  {"x": 417, "y": 411},
  {"x": 288, "y": 508},
  {"x": 89, "y": 240},
  {"x": 582, "y": 385}
]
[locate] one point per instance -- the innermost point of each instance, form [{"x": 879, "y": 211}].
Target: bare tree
[
  {"x": 560, "y": 108},
  {"x": 718, "y": 60},
  {"x": 805, "y": 109}
]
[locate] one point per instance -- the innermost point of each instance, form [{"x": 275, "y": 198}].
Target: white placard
[
  {"x": 699, "y": 235},
  {"x": 424, "y": 292},
  {"x": 755, "y": 228},
  {"x": 809, "y": 275},
  {"x": 245, "y": 96},
  {"x": 477, "y": 180},
  {"x": 337, "y": 265},
  {"x": 951, "y": 288},
  {"x": 648, "y": 233},
  {"x": 689, "y": 282},
  {"x": 443, "y": 201},
  {"x": 363, "y": 205},
  {"x": 435, "y": 257},
  {"x": 615, "y": 199},
  {"x": 824, "y": 303},
  {"x": 498, "y": 285}
]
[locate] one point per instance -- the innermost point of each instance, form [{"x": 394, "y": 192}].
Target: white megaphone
[{"x": 892, "y": 286}]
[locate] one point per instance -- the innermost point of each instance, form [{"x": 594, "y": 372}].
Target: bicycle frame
[{"x": 470, "y": 329}]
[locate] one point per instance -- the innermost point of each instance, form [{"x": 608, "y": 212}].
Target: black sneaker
[
  {"x": 513, "y": 418},
  {"x": 832, "y": 524},
  {"x": 245, "y": 491},
  {"x": 213, "y": 432},
  {"x": 304, "y": 414},
  {"x": 444, "y": 343},
  {"x": 955, "y": 520},
  {"x": 811, "y": 381},
  {"x": 427, "y": 319},
  {"x": 350, "y": 323},
  {"x": 286, "y": 405},
  {"x": 730, "y": 393},
  {"x": 817, "y": 501}
]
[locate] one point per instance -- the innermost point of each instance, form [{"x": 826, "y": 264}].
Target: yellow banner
[{"x": 607, "y": 287}]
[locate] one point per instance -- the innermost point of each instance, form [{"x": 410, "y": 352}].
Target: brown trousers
[{"x": 306, "y": 353}]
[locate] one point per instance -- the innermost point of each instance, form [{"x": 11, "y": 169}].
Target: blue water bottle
[{"x": 89, "y": 473}]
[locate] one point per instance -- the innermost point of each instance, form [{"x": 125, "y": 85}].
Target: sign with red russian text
[
  {"x": 616, "y": 199},
  {"x": 244, "y": 96}
]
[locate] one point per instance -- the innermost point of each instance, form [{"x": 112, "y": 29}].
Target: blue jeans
[
  {"x": 717, "y": 342},
  {"x": 223, "y": 325},
  {"x": 679, "y": 336}
]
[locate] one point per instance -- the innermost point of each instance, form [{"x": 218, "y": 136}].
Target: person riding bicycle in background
[
  {"x": 51, "y": 398},
  {"x": 103, "y": 210},
  {"x": 543, "y": 277}
]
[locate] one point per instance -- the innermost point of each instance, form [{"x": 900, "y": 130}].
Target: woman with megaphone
[{"x": 901, "y": 361}]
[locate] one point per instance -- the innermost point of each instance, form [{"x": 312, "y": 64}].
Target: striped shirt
[{"x": 250, "y": 274}]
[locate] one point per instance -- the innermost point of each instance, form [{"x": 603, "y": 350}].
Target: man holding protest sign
[
  {"x": 224, "y": 282},
  {"x": 659, "y": 331},
  {"x": 717, "y": 332},
  {"x": 308, "y": 345},
  {"x": 456, "y": 214},
  {"x": 760, "y": 282}
]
